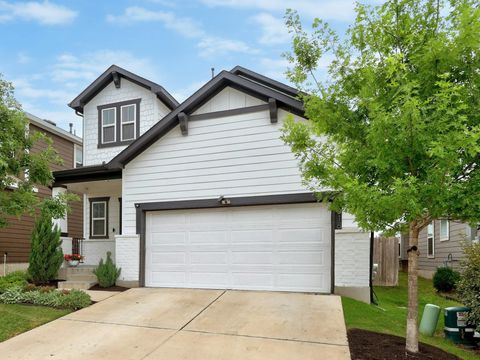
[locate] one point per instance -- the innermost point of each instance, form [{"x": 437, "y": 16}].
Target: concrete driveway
[{"x": 185, "y": 324}]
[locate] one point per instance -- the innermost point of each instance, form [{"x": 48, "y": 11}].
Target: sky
[{"x": 52, "y": 50}]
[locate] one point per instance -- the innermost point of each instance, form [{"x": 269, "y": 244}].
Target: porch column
[{"x": 62, "y": 223}]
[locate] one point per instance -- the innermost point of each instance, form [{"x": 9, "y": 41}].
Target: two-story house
[
  {"x": 15, "y": 239},
  {"x": 205, "y": 194}
]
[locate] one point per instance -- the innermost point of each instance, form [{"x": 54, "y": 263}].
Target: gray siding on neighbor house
[{"x": 458, "y": 233}]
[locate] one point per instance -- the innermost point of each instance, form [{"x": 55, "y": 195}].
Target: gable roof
[
  {"x": 206, "y": 92},
  {"x": 266, "y": 81},
  {"x": 114, "y": 73}
]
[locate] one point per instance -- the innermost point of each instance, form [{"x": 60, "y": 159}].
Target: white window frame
[
  {"x": 134, "y": 122},
  {"x": 432, "y": 256},
  {"x": 104, "y": 218},
  {"x": 75, "y": 148},
  {"x": 109, "y": 125},
  {"x": 447, "y": 237}
]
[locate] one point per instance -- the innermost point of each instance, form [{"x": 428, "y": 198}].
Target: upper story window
[
  {"x": 444, "y": 230},
  {"x": 78, "y": 162},
  {"x": 119, "y": 123},
  {"x": 127, "y": 121}
]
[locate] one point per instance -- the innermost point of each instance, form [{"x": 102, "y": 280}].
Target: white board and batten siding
[
  {"x": 151, "y": 111},
  {"x": 281, "y": 248}
]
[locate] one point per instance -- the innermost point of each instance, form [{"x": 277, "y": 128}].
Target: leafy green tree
[
  {"x": 395, "y": 130},
  {"x": 21, "y": 169},
  {"x": 46, "y": 254}
]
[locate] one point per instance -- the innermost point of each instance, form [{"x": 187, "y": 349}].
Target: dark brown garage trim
[{"x": 221, "y": 202}]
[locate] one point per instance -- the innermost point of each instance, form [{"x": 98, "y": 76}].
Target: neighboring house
[
  {"x": 440, "y": 244},
  {"x": 205, "y": 194},
  {"x": 16, "y": 237}
]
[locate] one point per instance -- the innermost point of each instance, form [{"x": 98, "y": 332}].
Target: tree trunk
[{"x": 412, "y": 316}]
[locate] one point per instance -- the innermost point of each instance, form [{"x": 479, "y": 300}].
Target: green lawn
[
  {"x": 15, "y": 319},
  {"x": 390, "y": 315}
]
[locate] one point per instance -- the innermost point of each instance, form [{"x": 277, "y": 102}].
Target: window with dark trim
[
  {"x": 99, "y": 218},
  {"x": 431, "y": 240},
  {"x": 118, "y": 123}
]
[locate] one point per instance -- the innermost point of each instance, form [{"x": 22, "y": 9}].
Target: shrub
[
  {"x": 445, "y": 279},
  {"x": 107, "y": 273},
  {"x": 46, "y": 256},
  {"x": 72, "y": 300},
  {"x": 469, "y": 285},
  {"x": 14, "y": 279}
]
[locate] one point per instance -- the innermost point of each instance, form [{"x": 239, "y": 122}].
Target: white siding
[
  {"x": 240, "y": 155},
  {"x": 228, "y": 99},
  {"x": 151, "y": 111}
]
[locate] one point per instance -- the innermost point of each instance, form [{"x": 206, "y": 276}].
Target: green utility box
[{"x": 456, "y": 328}]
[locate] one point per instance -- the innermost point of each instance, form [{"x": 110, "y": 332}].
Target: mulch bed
[
  {"x": 51, "y": 283},
  {"x": 111, "y": 288},
  {"x": 368, "y": 345}
]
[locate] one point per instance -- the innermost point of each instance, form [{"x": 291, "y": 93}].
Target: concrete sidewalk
[{"x": 148, "y": 323}]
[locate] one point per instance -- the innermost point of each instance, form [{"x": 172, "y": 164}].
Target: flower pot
[{"x": 73, "y": 263}]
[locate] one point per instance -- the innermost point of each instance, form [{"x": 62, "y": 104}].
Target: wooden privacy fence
[{"x": 385, "y": 254}]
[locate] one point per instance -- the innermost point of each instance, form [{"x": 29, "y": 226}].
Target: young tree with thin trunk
[
  {"x": 22, "y": 169},
  {"x": 394, "y": 131}
]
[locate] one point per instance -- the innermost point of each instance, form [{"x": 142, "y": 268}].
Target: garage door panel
[
  {"x": 299, "y": 235},
  {"x": 301, "y": 257},
  {"x": 250, "y": 235},
  {"x": 209, "y": 279},
  {"x": 210, "y": 257},
  {"x": 253, "y": 280},
  {"x": 166, "y": 238},
  {"x": 165, "y": 278},
  {"x": 163, "y": 257},
  {"x": 208, "y": 237},
  {"x": 250, "y": 257},
  {"x": 280, "y": 247},
  {"x": 301, "y": 281}
]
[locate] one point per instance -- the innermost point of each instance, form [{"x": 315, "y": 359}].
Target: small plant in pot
[{"x": 73, "y": 259}]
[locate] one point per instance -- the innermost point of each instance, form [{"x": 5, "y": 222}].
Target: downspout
[
  {"x": 372, "y": 299},
  {"x": 5, "y": 264},
  {"x": 332, "y": 251}
]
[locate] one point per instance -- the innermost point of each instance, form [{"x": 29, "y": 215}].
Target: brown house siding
[
  {"x": 15, "y": 238},
  {"x": 442, "y": 248}
]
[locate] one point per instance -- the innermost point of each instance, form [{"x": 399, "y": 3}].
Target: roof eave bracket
[
  {"x": 116, "y": 79},
  {"x": 183, "y": 120},
  {"x": 272, "y": 103}
]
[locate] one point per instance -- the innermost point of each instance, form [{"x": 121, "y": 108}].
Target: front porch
[{"x": 100, "y": 190}]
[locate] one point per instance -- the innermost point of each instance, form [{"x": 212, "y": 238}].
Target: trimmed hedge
[
  {"x": 46, "y": 296},
  {"x": 445, "y": 279}
]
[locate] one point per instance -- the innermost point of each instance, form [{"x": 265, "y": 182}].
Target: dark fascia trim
[
  {"x": 98, "y": 199},
  {"x": 266, "y": 81},
  {"x": 86, "y": 173},
  {"x": 332, "y": 251},
  {"x": 232, "y": 202},
  {"x": 103, "y": 80},
  {"x": 206, "y": 92},
  {"x": 117, "y": 106},
  {"x": 143, "y": 208}
]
